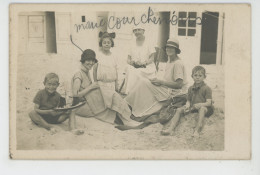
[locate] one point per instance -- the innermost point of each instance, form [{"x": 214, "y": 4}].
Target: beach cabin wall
[
  {"x": 32, "y": 32},
  {"x": 200, "y": 43},
  {"x": 49, "y": 32}
]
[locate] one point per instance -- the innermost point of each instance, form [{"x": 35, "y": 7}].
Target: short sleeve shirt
[
  {"x": 199, "y": 94},
  {"x": 83, "y": 77},
  {"x": 176, "y": 70},
  {"x": 45, "y": 100}
]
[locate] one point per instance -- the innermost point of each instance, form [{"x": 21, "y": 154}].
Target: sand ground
[{"x": 98, "y": 135}]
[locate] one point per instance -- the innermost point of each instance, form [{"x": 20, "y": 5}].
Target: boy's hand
[
  {"x": 55, "y": 113},
  {"x": 197, "y": 106},
  {"x": 67, "y": 112},
  {"x": 187, "y": 106}
]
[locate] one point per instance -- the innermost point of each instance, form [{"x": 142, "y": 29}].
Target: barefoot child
[
  {"x": 45, "y": 101},
  {"x": 199, "y": 100}
]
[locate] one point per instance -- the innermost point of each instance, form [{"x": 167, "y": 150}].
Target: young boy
[
  {"x": 45, "y": 101},
  {"x": 199, "y": 100}
]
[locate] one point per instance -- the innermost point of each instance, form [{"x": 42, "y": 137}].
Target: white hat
[
  {"x": 172, "y": 42},
  {"x": 138, "y": 27}
]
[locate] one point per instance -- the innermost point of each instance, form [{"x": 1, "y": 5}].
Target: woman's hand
[
  {"x": 94, "y": 85},
  {"x": 156, "y": 81},
  {"x": 131, "y": 63},
  {"x": 138, "y": 63}
]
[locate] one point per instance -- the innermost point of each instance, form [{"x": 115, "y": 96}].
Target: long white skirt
[{"x": 133, "y": 75}]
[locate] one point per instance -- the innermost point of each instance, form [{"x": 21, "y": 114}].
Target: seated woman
[
  {"x": 140, "y": 60},
  {"x": 148, "y": 96},
  {"x": 115, "y": 111}
]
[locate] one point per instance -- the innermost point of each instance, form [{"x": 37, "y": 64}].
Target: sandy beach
[{"x": 98, "y": 135}]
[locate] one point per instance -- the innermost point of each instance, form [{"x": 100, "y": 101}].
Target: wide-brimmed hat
[{"x": 172, "y": 42}]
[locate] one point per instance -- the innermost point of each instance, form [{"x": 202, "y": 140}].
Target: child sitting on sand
[
  {"x": 199, "y": 100},
  {"x": 45, "y": 101}
]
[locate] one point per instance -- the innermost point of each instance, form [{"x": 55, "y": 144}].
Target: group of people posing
[{"x": 146, "y": 94}]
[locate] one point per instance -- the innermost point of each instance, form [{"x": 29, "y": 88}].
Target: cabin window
[{"x": 187, "y": 23}]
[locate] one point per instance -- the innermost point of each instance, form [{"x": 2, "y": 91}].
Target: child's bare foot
[
  {"x": 77, "y": 132},
  {"x": 167, "y": 131},
  {"x": 53, "y": 131},
  {"x": 196, "y": 134}
]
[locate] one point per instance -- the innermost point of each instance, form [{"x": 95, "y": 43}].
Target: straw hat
[{"x": 172, "y": 42}]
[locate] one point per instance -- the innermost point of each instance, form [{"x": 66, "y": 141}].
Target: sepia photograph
[{"x": 130, "y": 81}]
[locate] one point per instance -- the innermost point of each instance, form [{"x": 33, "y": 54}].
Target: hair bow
[{"x": 112, "y": 35}]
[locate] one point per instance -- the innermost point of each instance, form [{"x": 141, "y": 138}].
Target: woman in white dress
[
  {"x": 105, "y": 74},
  {"x": 140, "y": 60}
]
